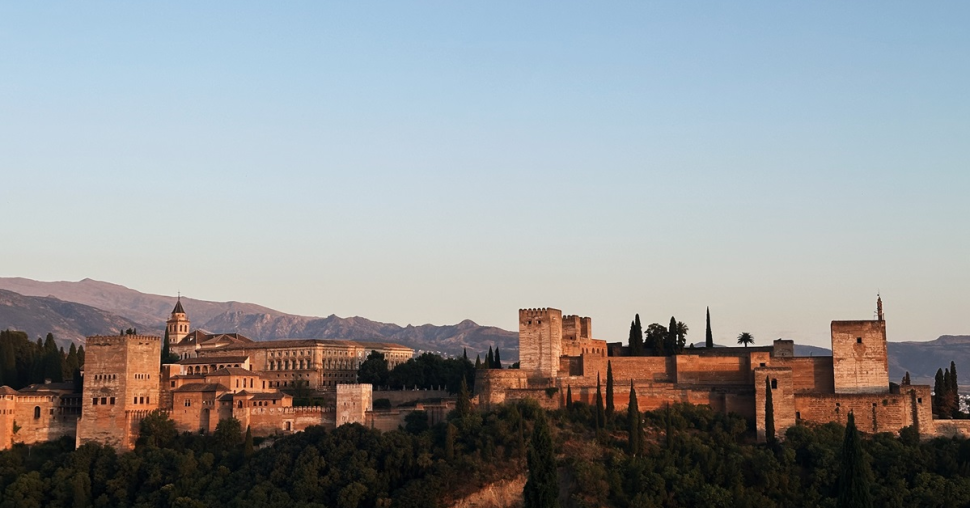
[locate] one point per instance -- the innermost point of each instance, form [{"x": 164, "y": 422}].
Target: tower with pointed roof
[{"x": 178, "y": 324}]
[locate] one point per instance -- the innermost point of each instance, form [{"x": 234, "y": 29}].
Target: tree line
[
  {"x": 427, "y": 371},
  {"x": 23, "y": 363}
]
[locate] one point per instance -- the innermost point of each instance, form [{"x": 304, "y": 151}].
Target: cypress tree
[
  {"x": 478, "y": 361},
  {"x": 248, "y": 443},
  {"x": 947, "y": 403},
  {"x": 498, "y": 359},
  {"x": 854, "y": 471},
  {"x": 542, "y": 487},
  {"x": 634, "y": 423},
  {"x": 80, "y": 355},
  {"x": 451, "y": 432},
  {"x": 490, "y": 359},
  {"x": 769, "y": 414},
  {"x": 165, "y": 347},
  {"x": 709, "y": 337},
  {"x": 600, "y": 411},
  {"x": 636, "y": 338},
  {"x": 464, "y": 353},
  {"x": 610, "y": 408},
  {"x": 464, "y": 404},
  {"x": 670, "y": 346},
  {"x": 938, "y": 390},
  {"x": 954, "y": 390},
  {"x": 569, "y": 398}
]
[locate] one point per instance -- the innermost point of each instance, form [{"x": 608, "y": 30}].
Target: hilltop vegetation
[{"x": 689, "y": 456}]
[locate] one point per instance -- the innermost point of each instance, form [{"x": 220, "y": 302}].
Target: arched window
[{"x": 36, "y": 412}]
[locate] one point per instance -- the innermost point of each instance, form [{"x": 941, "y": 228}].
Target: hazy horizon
[{"x": 428, "y": 163}]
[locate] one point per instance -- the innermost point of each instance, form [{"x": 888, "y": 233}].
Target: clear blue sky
[{"x": 780, "y": 162}]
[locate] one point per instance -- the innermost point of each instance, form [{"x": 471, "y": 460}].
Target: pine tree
[
  {"x": 634, "y": 423},
  {"x": 600, "y": 410},
  {"x": 769, "y": 414},
  {"x": 498, "y": 358},
  {"x": 569, "y": 398},
  {"x": 490, "y": 359},
  {"x": 464, "y": 404},
  {"x": 709, "y": 337},
  {"x": 248, "y": 443},
  {"x": 854, "y": 474},
  {"x": 542, "y": 487},
  {"x": 610, "y": 408}
]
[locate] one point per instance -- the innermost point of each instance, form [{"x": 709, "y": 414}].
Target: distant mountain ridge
[
  {"x": 121, "y": 307},
  {"x": 73, "y": 310}
]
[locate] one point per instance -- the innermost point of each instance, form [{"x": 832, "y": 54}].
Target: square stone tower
[
  {"x": 121, "y": 373},
  {"x": 859, "y": 355},
  {"x": 540, "y": 342}
]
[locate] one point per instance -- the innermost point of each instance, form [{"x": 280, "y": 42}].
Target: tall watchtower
[
  {"x": 540, "y": 342},
  {"x": 177, "y": 325},
  {"x": 859, "y": 355},
  {"x": 121, "y": 373}
]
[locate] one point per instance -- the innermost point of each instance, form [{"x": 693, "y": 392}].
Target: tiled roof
[
  {"x": 6, "y": 390},
  {"x": 209, "y": 360},
  {"x": 232, "y": 371},
  {"x": 288, "y": 343},
  {"x": 202, "y": 387},
  {"x": 178, "y": 307}
]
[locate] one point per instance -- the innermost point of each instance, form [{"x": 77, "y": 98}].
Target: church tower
[{"x": 178, "y": 324}]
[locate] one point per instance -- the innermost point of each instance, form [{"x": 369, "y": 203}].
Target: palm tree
[
  {"x": 745, "y": 338},
  {"x": 681, "y": 329}
]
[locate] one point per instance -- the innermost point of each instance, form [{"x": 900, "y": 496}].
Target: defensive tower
[
  {"x": 540, "y": 342},
  {"x": 859, "y": 355},
  {"x": 121, "y": 373}
]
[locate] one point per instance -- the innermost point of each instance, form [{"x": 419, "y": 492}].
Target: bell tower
[{"x": 178, "y": 324}]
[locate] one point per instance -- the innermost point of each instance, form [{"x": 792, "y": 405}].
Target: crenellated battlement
[{"x": 119, "y": 339}]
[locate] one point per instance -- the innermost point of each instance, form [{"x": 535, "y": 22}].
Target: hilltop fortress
[
  {"x": 217, "y": 376},
  {"x": 558, "y": 354},
  {"x": 221, "y": 376}
]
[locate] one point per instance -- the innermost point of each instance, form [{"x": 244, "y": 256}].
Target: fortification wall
[
  {"x": 398, "y": 397},
  {"x": 36, "y": 419},
  {"x": 859, "y": 355},
  {"x": 951, "y": 428},
  {"x": 640, "y": 368},
  {"x": 873, "y": 412},
  {"x": 811, "y": 374},
  {"x": 266, "y": 421},
  {"x": 713, "y": 370},
  {"x": 492, "y": 385}
]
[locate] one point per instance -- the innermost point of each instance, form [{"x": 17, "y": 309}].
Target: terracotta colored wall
[
  {"x": 811, "y": 374},
  {"x": 713, "y": 370},
  {"x": 540, "y": 341}
]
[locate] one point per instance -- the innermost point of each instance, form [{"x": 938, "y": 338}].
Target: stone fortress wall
[{"x": 804, "y": 389}]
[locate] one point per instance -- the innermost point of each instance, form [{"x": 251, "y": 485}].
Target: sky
[{"x": 429, "y": 162}]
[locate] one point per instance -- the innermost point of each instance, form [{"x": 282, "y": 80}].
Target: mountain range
[{"x": 74, "y": 310}]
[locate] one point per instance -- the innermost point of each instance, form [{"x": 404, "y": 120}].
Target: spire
[
  {"x": 178, "y": 306},
  {"x": 879, "y": 307}
]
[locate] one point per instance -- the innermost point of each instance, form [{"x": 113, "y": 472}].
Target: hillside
[
  {"x": 922, "y": 359},
  {"x": 68, "y": 321},
  {"x": 255, "y": 321}
]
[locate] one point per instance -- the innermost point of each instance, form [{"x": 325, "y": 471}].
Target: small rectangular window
[
  {"x": 113, "y": 402},
  {"x": 94, "y": 401},
  {"x": 104, "y": 400},
  {"x": 858, "y": 340}
]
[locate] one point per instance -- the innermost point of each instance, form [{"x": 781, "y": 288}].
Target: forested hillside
[{"x": 688, "y": 456}]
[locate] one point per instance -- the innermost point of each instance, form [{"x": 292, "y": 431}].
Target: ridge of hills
[{"x": 74, "y": 310}]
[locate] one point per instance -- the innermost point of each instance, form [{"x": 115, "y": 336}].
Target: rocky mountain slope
[
  {"x": 148, "y": 313},
  {"x": 68, "y": 321}
]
